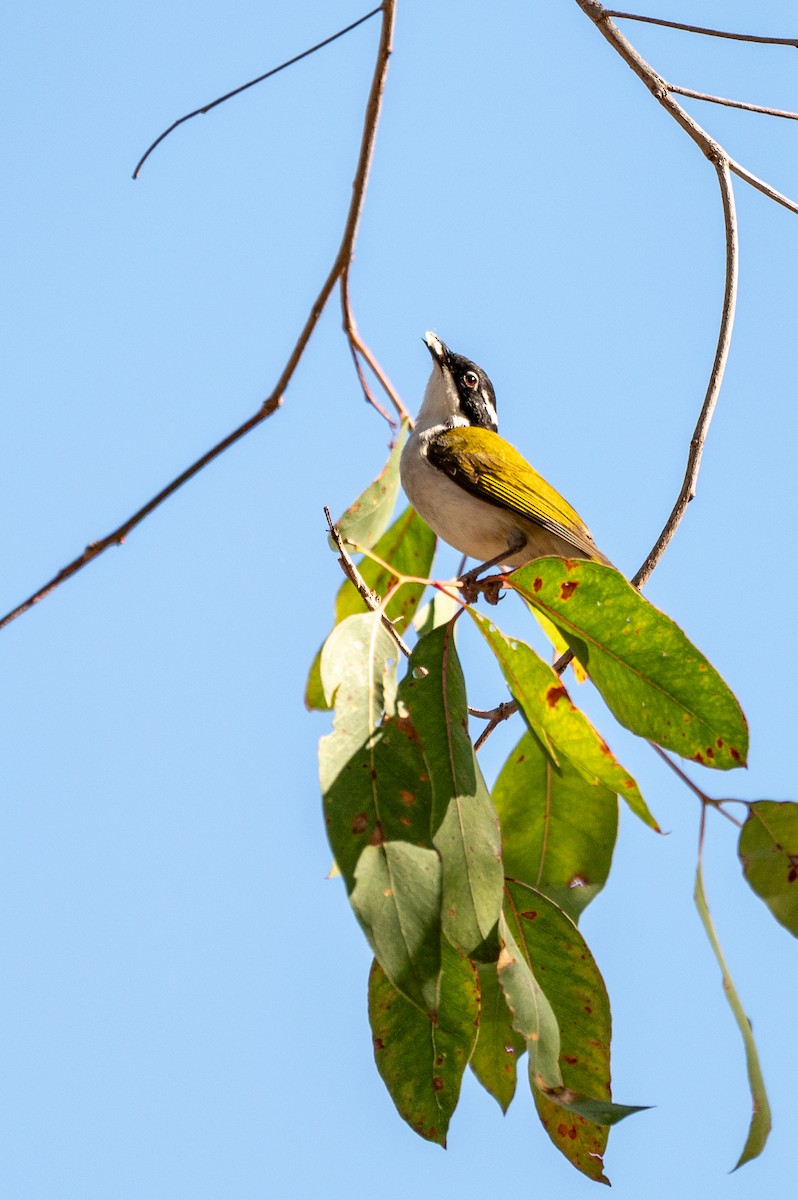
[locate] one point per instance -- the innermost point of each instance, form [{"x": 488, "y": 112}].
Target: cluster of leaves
[{"x": 470, "y": 901}]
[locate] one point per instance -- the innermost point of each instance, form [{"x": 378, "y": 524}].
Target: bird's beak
[{"x": 438, "y": 349}]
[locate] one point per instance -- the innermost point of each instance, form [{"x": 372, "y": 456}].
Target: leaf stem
[{"x": 706, "y": 801}]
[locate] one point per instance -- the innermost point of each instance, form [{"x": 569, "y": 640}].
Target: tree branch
[
  {"x": 206, "y": 108},
  {"x": 723, "y": 165},
  {"x": 275, "y": 399},
  {"x": 359, "y": 349},
  {"x": 688, "y": 488},
  {"x": 757, "y": 108},
  {"x": 718, "y": 33},
  {"x": 369, "y": 597}
]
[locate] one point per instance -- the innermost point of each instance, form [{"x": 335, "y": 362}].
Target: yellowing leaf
[{"x": 652, "y": 678}]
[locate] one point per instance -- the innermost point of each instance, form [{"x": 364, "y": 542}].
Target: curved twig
[
  {"x": 206, "y": 108},
  {"x": 687, "y": 491},
  {"x": 274, "y": 400},
  {"x": 358, "y": 350},
  {"x": 723, "y": 166}
]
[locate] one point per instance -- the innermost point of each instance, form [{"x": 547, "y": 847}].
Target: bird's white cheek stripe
[{"x": 491, "y": 413}]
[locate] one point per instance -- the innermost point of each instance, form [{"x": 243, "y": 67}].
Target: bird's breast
[{"x": 473, "y": 526}]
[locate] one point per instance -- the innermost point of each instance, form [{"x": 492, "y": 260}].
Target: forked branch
[
  {"x": 336, "y": 275},
  {"x": 724, "y": 164}
]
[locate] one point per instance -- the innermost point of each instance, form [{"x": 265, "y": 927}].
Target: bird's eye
[{"x": 471, "y": 379}]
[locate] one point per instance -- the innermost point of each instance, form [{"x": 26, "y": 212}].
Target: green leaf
[
  {"x": 498, "y": 1045},
  {"x": 397, "y": 899},
  {"x": 558, "y": 830},
  {"x": 367, "y": 518},
  {"x": 356, "y": 671},
  {"x": 437, "y": 611},
  {"x": 465, "y": 829},
  {"x": 422, "y": 1061},
  {"x": 760, "y": 1120},
  {"x": 558, "y": 642},
  {"x": 533, "y": 1016},
  {"x": 599, "y": 1112},
  {"x": 651, "y": 676},
  {"x": 381, "y": 792},
  {"x": 576, "y": 1113},
  {"x": 408, "y": 546},
  {"x": 563, "y": 729},
  {"x": 378, "y": 803},
  {"x": 768, "y": 851}
]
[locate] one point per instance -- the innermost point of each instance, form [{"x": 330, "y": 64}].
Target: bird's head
[{"x": 458, "y": 392}]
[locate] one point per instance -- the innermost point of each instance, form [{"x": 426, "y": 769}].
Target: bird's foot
[{"x": 472, "y": 586}]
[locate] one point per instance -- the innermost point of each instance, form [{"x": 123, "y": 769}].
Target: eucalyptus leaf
[
  {"x": 499, "y": 1046},
  {"x": 558, "y": 830},
  {"x": 563, "y": 729},
  {"x": 575, "y": 1113},
  {"x": 368, "y": 517},
  {"x": 652, "y": 678},
  {"x": 465, "y": 829},
  {"x": 759, "y": 1129},
  {"x": 532, "y": 1014},
  {"x": 397, "y": 900},
  {"x": 377, "y": 804},
  {"x": 768, "y": 851},
  {"x": 422, "y": 1061},
  {"x": 408, "y": 548},
  {"x": 357, "y": 659}
]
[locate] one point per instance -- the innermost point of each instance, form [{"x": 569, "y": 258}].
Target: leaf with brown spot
[
  {"x": 576, "y": 1115},
  {"x": 532, "y": 1014},
  {"x": 382, "y": 846},
  {"x": 648, "y": 672},
  {"x": 498, "y": 1048},
  {"x": 563, "y": 729},
  {"x": 768, "y": 851},
  {"x": 368, "y": 763},
  {"x": 464, "y": 826},
  {"x": 558, "y": 830},
  {"x": 422, "y": 1062},
  {"x": 397, "y": 900}
]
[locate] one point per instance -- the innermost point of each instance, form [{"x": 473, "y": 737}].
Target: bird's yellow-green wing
[{"x": 486, "y": 465}]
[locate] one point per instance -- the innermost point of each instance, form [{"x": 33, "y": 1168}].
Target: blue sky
[{"x": 183, "y": 1009}]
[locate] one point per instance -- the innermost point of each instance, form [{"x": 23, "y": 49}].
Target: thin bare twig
[
  {"x": 206, "y": 108},
  {"x": 358, "y": 349},
  {"x": 743, "y": 104},
  {"x": 367, "y": 594},
  {"x": 488, "y": 730},
  {"x": 718, "y": 33},
  {"x": 270, "y": 405},
  {"x": 600, "y": 17},
  {"x": 687, "y": 491},
  {"x": 384, "y": 381},
  {"x": 723, "y": 165},
  {"x": 762, "y": 186}
]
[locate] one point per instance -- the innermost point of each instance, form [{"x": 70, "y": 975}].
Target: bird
[{"x": 471, "y": 486}]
